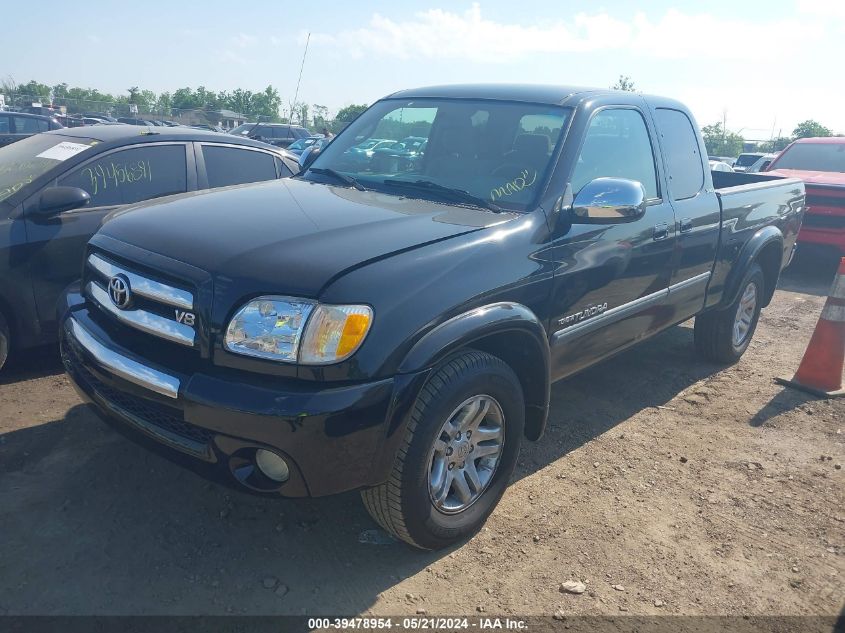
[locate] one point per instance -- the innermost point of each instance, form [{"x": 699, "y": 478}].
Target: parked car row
[
  {"x": 56, "y": 188},
  {"x": 750, "y": 162},
  {"x": 278, "y": 134}
]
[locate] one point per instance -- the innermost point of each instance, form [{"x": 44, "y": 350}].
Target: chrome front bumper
[{"x": 123, "y": 366}]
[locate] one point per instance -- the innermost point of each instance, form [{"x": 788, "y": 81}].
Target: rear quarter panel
[{"x": 747, "y": 209}]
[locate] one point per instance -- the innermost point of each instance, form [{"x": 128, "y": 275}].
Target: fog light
[{"x": 272, "y": 465}]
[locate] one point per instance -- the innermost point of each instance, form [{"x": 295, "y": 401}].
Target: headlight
[
  {"x": 269, "y": 327},
  {"x": 289, "y": 330}
]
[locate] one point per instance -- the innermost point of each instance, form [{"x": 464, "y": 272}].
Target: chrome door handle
[
  {"x": 686, "y": 225},
  {"x": 661, "y": 231}
]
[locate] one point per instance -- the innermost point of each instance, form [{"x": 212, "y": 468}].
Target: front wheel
[
  {"x": 458, "y": 454},
  {"x": 724, "y": 335}
]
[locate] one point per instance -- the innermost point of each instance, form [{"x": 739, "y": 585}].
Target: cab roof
[
  {"x": 119, "y": 132},
  {"x": 529, "y": 93},
  {"x": 836, "y": 140}
]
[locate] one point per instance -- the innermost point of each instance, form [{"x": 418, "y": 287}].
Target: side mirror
[
  {"x": 608, "y": 201},
  {"x": 309, "y": 156},
  {"x": 55, "y": 200}
]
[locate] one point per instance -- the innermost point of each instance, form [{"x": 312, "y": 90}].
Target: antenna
[{"x": 298, "y": 81}]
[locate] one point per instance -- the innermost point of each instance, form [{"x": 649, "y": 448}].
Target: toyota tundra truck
[{"x": 394, "y": 327}]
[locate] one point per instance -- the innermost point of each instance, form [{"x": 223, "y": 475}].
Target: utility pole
[{"x": 298, "y": 81}]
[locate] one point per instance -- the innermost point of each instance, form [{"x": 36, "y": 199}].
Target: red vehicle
[{"x": 820, "y": 163}]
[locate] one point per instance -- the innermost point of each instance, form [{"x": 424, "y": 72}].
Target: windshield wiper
[
  {"x": 458, "y": 195},
  {"x": 346, "y": 180}
]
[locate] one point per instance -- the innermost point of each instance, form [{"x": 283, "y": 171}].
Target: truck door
[
  {"x": 696, "y": 210},
  {"x": 612, "y": 280}
]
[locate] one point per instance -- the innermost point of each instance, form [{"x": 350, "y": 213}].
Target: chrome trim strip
[
  {"x": 143, "y": 286},
  {"x": 124, "y": 367},
  {"x": 626, "y": 309},
  {"x": 692, "y": 281},
  {"x": 143, "y": 320},
  {"x": 612, "y": 315}
]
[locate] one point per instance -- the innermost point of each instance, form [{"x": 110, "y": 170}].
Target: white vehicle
[
  {"x": 761, "y": 164},
  {"x": 717, "y": 165},
  {"x": 744, "y": 161}
]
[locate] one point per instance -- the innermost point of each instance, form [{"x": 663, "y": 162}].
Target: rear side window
[
  {"x": 25, "y": 125},
  {"x": 680, "y": 147},
  {"x": 132, "y": 175},
  {"x": 234, "y": 166},
  {"x": 617, "y": 145},
  {"x": 4, "y": 124}
]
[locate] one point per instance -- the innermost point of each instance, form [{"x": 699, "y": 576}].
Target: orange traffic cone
[{"x": 820, "y": 371}]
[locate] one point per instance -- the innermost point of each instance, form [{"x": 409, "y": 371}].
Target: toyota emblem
[{"x": 119, "y": 291}]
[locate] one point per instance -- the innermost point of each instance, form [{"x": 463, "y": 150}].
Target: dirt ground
[{"x": 692, "y": 489}]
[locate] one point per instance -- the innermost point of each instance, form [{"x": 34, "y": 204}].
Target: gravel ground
[{"x": 663, "y": 485}]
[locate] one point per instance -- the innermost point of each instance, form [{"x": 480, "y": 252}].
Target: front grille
[
  {"x": 151, "y": 306},
  {"x": 168, "y": 419}
]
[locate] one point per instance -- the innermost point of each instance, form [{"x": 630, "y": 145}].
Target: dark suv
[
  {"x": 278, "y": 134},
  {"x": 15, "y": 126}
]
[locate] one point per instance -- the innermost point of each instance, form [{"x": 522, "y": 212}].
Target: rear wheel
[
  {"x": 458, "y": 454},
  {"x": 5, "y": 342},
  {"x": 724, "y": 335}
]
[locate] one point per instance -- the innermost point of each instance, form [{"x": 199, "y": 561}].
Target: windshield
[
  {"x": 302, "y": 143},
  {"x": 243, "y": 129},
  {"x": 24, "y": 161},
  {"x": 813, "y": 157},
  {"x": 497, "y": 151}
]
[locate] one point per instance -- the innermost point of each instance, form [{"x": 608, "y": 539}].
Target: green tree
[
  {"x": 59, "y": 91},
  {"x": 810, "y": 129},
  {"x": 320, "y": 116},
  {"x": 350, "y": 112},
  {"x": 776, "y": 144},
  {"x": 185, "y": 99},
  {"x": 624, "y": 83},
  {"x": 35, "y": 89},
  {"x": 721, "y": 142},
  {"x": 164, "y": 104}
]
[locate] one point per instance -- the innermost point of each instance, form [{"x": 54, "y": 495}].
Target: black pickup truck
[{"x": 397, "y": 331}]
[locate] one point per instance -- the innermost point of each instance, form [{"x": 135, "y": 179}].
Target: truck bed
[{"x": 748, "y": 203}]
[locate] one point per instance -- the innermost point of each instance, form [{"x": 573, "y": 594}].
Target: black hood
[{"x": 288, "y": 236}]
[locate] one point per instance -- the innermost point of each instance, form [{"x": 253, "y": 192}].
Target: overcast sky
[{"x": 767, "y": 64}]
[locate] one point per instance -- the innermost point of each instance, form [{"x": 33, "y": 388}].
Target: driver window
[
  {"x": 617, "y": 145},
  {"x": 132, "y": 175}
]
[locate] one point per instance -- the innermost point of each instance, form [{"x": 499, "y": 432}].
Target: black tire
[
  {"x": 403, "y": 505},
  {"x": 5, "y": 341},
  {"x": 714, "y": 331}
]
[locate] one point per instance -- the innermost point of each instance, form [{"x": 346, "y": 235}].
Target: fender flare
[
  {"x": 748, "y": 255},
  {"x": 493, "y": 319}
]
